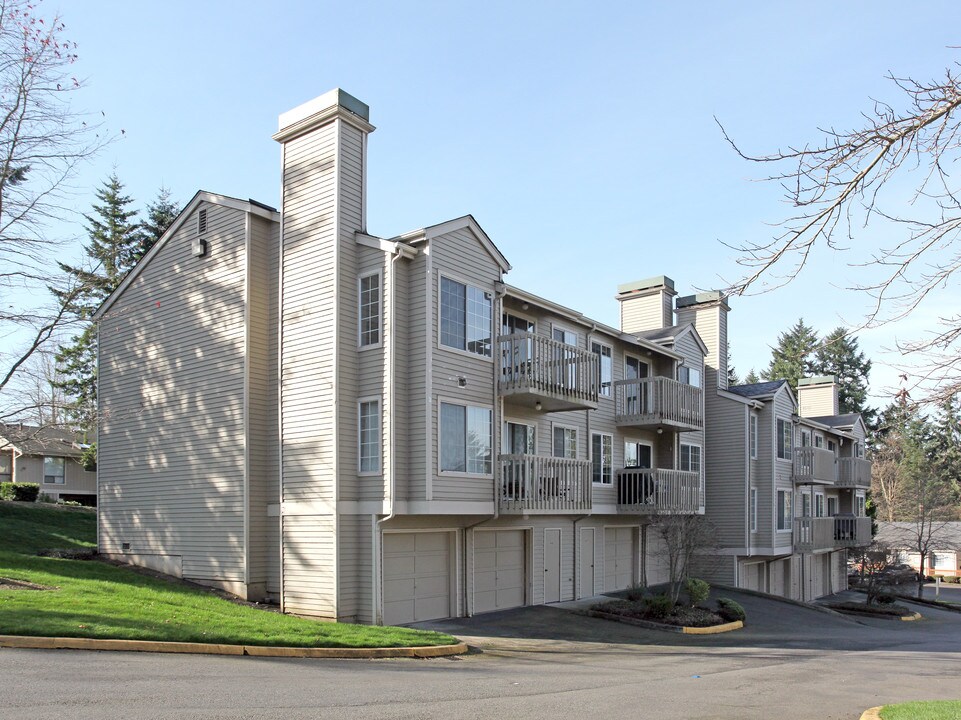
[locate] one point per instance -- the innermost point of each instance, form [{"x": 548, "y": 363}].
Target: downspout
[{"x": 280, "y": 375}]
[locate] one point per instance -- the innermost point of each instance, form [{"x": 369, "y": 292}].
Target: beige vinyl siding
[
  {"x": 646, "y": 313},
  {"x": 29, "y": 469},
  {"x": 726, "y": 477},
  {"x": 400, "y": 322},
  {"x": 272, "y": 523},
  {"x": 412, "y": 485},
  {"x": 356, "y": 569},
  {"x": 310, "y": 565},
  {"x": 782, "y": 407},
  {"x": 171, "y": 451},
  {"x": 688, "y": 347}
]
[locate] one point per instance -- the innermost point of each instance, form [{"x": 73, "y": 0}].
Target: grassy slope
[
  {"x": 934, "y": 710},
  {"x": 93, "y": 599}
]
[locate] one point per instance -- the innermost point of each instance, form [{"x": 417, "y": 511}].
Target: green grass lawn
[
  {"x": 93, "y": 599},
  {"x": 933, "y": 710}
]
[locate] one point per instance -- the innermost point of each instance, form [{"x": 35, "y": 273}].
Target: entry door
[
  {"x": 552, "y": 566},
  {"x": 635, "y": 397},
  {"x": 586, "y": 565}
]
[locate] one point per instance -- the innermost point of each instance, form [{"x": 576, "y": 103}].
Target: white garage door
[
  {"x": 619, "y": 558},
  {"x": 499, "y": 577},
  {"x": 417, "y": 572}
]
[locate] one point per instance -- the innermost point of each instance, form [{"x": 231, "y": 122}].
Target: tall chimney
[
  {"x": 817, "y": 396},
  {"x": 646, "y": 304},
  {"x": 708, "y": 311}
]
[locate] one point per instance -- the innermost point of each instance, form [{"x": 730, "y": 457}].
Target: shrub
[
  {"x": 658, "y": 606},
  {"x": 635, "y": 592},
  {"x": 44, "y": 498},
  {"x": 21, "y": 492},
  {"x": 730, "y": 610},
  {"x": 697, "y": 591},
  {"x": 885, "y": 598}
]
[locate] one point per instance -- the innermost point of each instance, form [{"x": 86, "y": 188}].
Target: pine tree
[
  {"x": 732, "y": 378},
  {"x": 751, "y": 378},
  {"x": 791, "y": 359},
  {"x": 839, "y": 355},
  {"x": 160, "y": 215},
  {"x": 944, "y": 444}
]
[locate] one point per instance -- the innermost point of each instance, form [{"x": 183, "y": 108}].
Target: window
[
  {"x": 832, "y": 506},
  {"x": 691, "y": 458},
  {"x": 859, "y": 506},
  {"x": 465, "y": 439},
  {"x": 690, "y": 376},
  {"x": 567, "y": 337},
  {"x": 635, "y": 394},
  {"x": 6, "y": 467},
  {"x": 465, "y": 317},
  {"x": 819, "y": 505},
  {"x": 370, "y": 310},
  {"x": 831, "y": 446},
  {"x": 753, "y": 438},
  {"x": 602, "y": 458},
  {"x": 784, "y": 510},
  {"x": 603, "y": 353},
  {"x": 53, "y": 470},
  {"x": 819, "y": 441},
  {"x": 785, "y": 431},
  {"x": 858, "y": 449},
  {"x": 805, "y": 505},
  {"x": 519, "y": 439},
  {"x": 805, "y": 438},
  {"x": 638, "y": 455},
  {"x": 565, "y": 442},
  {"x": 753, "y": 510},
  {"x": 369, "y": 434}
]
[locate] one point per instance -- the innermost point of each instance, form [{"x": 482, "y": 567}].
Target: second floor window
[
  {"x": 785, "y": 438},
  {"x": 784, "y": 510},
  {"x": 753, "y": 510},
  {"x": 465, "y": 317},
  {"x": 637, "y": 455},
  {"x": 369, "y": 412},
  {"x": 465, "y": 439},
  {"x": 602, "y": 458},
  {"x": 753, "y": 434},
  {"x": 53, "y": 470},
  {"x": 603, "y": 353},
  {"x": 370, "y": 310},
  {"x": 565, "y": 442},
  {"x": 689, "y": 376},
  {"x": 691, "y": 458}
]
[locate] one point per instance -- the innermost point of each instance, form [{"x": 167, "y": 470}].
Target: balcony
[
  {"x": 814, "y": 465},
  {"x": 658, "y": 403},
  {"x": 535, "y": 484},
  {"x": 854, "y": 473},
  {"x": 831, "y": 533},
  {"x": 542, "y": 373},
  {"x": 642, "y": 491}
]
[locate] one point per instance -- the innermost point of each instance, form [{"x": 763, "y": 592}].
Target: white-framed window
[
  {"x": 832, "y": 446},
  {"x": 465, "y": 317},
  {"x": 689, "y": 375},
  {"x": 519, "y": 438},
  {"x": 819, "y": 441},
  {"x": 859, "y": 505},
  {"x": 858, "y": 449},
  {"x": 638, "y": 454},
  {"x": 6, "y": 467},
  {"x": 691, "y": 458},
  {"x": 785, "y": 439},
  {"x": 369, "y": 299},
  {"x": 805, "y": 504},
  {"x": 563, "y": 335},
  {"x": 606, "y": 358},
  {"x": 636, "y": 396},
  {"x": 602, "y": 458},
  {"x": 784, "y": 510},
  {"x": 819, "y": 505},
  {"x": 53, "y": 470},
  {"x": 805, "y": 438},
  {"x": 832, "y": 506},
  {"x": 753, "y": 510},
  {"x": 465, "y": 439},
  {"x": 564, "y": 441},
  {"x": 752, "y": 431},
  {"x": 369, "y": 432}
]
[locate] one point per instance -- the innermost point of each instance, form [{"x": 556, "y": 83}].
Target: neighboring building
[
  {"x": 380, "y": 429},
  {"x": 944, "y": 556},
  {"x": 49, "y": 457}
]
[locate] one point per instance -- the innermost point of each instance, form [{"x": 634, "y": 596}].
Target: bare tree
[
  {"x": 840, "y": 184},
  {"x": 874, "y": 562},
  {"x": 43, "y": 138},
  {"x": 684, "y": 537}
]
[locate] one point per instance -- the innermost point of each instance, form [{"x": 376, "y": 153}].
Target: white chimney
[
  {"x": 817, "y": 396},
  {"x": 708, "y": 311},
  {"x": 646, "y": 304}
]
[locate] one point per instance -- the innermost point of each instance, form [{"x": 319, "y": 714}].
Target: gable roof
[
  {"x": 34, "y": 440},
  {"x": 250, "y": 206},
  {"x": 672, "y": 334},
  {"x": 465, "y": 222},
  {"x": 757, "y": 390},
  {"x": 838, "y": 421}
]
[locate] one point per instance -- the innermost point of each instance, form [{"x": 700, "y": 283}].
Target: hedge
[{"x": 22, "y": 492}]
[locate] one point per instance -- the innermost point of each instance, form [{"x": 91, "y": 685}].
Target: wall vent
[{"x": 202, "y": 221}]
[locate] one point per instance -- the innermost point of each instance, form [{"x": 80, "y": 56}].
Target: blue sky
[{"x": 581, "y": 136}]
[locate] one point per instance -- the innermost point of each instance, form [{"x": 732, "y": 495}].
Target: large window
[
  {"x": 753, "y": 510},
  {"x": 370, "y": 310},
  {"x": 753, "y": 433},
  {"x": 784, "y": 510},
  {"x": 689, "y": 376},
  {"x": 53, "y": 470},
  {"x": 602, "y": 458},
  {"x": 465, "y": 439},
  {"x": 785, "y": 431},
  {"x": 638, "y": 455},
  {"x": 565, "y": 442},
  {"x": 519, "y": 439},
  {"x": 603, "y": 353},
  {"x": 691, "y": 458},
  {"x": 369, "y": 455},
  {"x": 465, "y": 317}
]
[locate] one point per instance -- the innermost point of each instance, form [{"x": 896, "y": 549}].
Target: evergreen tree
[
  {"x": 732, "y": 378},
  {"x": 792, "y": 358},
  {"x": 751, "y": 378},
  {"x": 944, "y": 445},
  {"x": 160, "y": 215},
  {"x": 838, "y": 355}
]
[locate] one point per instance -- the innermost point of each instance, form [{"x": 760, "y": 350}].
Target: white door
[
  {"x": 586, "y": 564},
  {"x": 552, "y": 566},
  {"x": 417, "y": 577},
  {"x": 500, "y": 579},
  {"x": 619, "y": 558}
]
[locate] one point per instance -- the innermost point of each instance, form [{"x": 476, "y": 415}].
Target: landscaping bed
[
  {"x": 887, "y": 610},
  {"x": 681, "y": 616},
  {"x": 664, "y": 610}
]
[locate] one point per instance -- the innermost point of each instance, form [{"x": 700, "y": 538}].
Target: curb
[
  {"x": 713, "y": 630},
  {"x": 881, "y": 616},
  {"x": 872, "y": 713},
  {"x": 779, "y": 598},
  {"x": 60, "y": 643}
]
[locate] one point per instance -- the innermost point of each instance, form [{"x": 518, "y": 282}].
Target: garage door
[
  {"x": 417, "y": 572},
  {"x": 499, "y": 577},
  {"x": 619, "y": 558}
]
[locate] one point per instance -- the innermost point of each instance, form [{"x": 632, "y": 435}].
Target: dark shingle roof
[
  {"x": 32, "y": 440},
  {"x": 835, "y": 421},
  {"x": 944, "y": 535},
  {"x": 756, "y": 390}
]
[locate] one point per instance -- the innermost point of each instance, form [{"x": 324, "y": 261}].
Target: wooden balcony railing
[
  {"x": 829, "y": 533},
  {"x": 854, "y": 473},
  {"x": 537, "y": 369},
  {"x": 642, "y": 491},
  {"x": 540, "y": 484},
  {"x": 814, "y": 465},
  {"x": 658, "y": 402}
]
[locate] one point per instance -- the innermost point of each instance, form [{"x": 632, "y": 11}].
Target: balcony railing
[
  {"x": 659, "y": 492},
  {"x": 536, "y": 369},
  {"x": 829, "y": 533},
  {"x": 658, "y": 402},
  {"x": 814, "y": 465},
  {"x": 854, "y": 473},
  {"x": 538, "y": 484}
]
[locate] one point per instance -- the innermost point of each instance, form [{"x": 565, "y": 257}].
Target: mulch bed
[
  {"x": 682, "y": 616},
  {"x": 10, "y": 584},
  {"x": 889, "y": 610}
]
